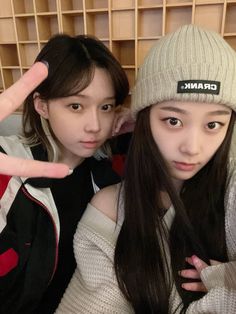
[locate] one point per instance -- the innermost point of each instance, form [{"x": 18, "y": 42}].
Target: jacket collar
[{"x": 40, "y": 182}]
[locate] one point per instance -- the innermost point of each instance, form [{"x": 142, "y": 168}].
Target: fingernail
[
  {"x": 179, "y": 272},
  {"x": 70, "y": 171},
  {"x": 196, "y": 260},
  {"x": 45, "y": 62}
]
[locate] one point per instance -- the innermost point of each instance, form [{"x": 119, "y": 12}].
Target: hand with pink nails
[
  {"x": 123, "y": 122},
  {"x": 195, "y": 274}
]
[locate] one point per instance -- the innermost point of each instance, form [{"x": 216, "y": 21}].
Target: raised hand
[
  {"x": 124, "y": 122},
  {"x": 10, "y": 100}
]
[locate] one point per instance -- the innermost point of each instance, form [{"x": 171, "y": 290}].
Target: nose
[
  {"x": 92, "y": 123},
  {"x": 191, "y": 143}
]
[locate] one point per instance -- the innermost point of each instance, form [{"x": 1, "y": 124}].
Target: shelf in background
[{"x": 128, "y": 28}]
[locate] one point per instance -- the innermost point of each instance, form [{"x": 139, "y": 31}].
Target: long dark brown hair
[
  {"x": 144, "y": 244},
  {"x": 72, "y": 62}
]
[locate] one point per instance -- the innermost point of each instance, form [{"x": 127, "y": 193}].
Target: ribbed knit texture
[{"x": 190, "y": 53}]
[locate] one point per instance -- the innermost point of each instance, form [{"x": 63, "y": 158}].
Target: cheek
[
  {"x": 212, "y": 146},
  {"x": 56, "y": 118},
  {"x": 61, "y": 133},
  {"x": 63, "y": 128},
  {"x": 166, "y": 148},
  {"x": 165, "y": 143},
  {"x": 107, "y": 123}
]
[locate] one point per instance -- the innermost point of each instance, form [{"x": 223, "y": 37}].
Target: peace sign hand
[{"x": 10, "y": 100}]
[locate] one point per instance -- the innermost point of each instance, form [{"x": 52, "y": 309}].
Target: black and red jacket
[{"x": 29, "y": 231}]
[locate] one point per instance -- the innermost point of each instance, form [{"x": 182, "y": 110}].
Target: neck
[
  {"x": 177, "y": 184},
  {"x": 165, "y": 200},
  {"x": 71, "y": 161},
  {"x": 165, "y": 196}
]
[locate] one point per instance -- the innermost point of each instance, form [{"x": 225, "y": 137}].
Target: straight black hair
[{"x": 148, "y": 256}]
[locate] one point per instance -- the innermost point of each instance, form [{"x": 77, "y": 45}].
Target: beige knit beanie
[{"x": 191, "y": 64}]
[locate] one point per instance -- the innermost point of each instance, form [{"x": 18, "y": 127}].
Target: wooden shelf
[
  {"x": 73, "y": 23},
  {"x": 10, "y": 76},
  {"x": 230, "y": 18},
  {"x": 128, "y": 28},
  {"x": 26, "y": 28},
  {"x": 177, "y": 16},
  {"x": 123, "y": 4},
  {"x": 6, "y": 9},
  {"x": 150, "y": 16},
  {"x": 7, "y": 30},
  {"x": 28, "y": 51},
  {"x": 98, "y": 24},
  {"x": 96, "y": 4},
  {"x": 124, "y": 52},
  {"x": 202, "y": 16},
  {"x": 22, "y": 6},
  {"x": 9, "y": 56},
  {"x": 71, "y": 5},
  {"x": 45, "y": 5},
  {"x": 47, "y": 26},
  {"x": 123, "y": 24}
]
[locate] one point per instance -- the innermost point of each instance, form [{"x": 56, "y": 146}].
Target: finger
[
  {"x": 118, "y": 123},
  {"x": 194, "y": 286},
  {"x": 31, "y": 168},
  {"x": 115, "y": 125},
  {"x": 189, "y": 273},
  {"x": 198, "y": 263},
  {"x": 189, "y": 260},
  {"x": 15, "y": 95},
  {"x": 124, "y": 122},
  {"x": 126, "y": 127}
]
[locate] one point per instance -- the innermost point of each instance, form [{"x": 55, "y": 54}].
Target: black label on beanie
[{"x": 198, "y": 86}]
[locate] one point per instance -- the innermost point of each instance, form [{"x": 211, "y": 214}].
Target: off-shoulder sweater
[{"x": 94, "y": 289}]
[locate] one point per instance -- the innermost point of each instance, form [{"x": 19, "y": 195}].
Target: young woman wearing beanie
[{"x": 165, "y": 240}]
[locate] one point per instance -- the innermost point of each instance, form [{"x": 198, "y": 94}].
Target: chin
[
  {"x": 184, "y": 176},
  {"x": 88, "y": 154}
]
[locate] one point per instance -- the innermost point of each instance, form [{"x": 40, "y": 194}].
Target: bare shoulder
[{"x": 106, "y": 201}]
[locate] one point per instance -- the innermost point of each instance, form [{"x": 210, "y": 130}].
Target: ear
[{"x": 40, "y": 106}]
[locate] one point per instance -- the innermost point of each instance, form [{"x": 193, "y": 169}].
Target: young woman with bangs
[{"x": 72, "y": 109}]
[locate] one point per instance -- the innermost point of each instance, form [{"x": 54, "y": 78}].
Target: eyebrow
[
  {"x": 86, "y": 96},
  {"x": 174, "y": 109},
  {"x": 219, "y": 112},
  {"x": 210, "y": 113}
]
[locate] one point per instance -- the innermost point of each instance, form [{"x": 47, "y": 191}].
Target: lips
[
  {"x": 89, "y": 144},
  {"x": 184, "y": 166}
]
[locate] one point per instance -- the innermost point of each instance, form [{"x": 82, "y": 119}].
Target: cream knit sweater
[{"x": 94, "y": 289}]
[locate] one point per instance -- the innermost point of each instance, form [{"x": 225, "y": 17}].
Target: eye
[
  {"x": 173, "y": 122},
  {"x": 107, "y": 107},
  {"x": 214, "y": 125},
  {"x": 75, "y": 107}
]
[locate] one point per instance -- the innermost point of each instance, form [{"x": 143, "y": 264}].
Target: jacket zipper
[{"x": 54, "y": 226}]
